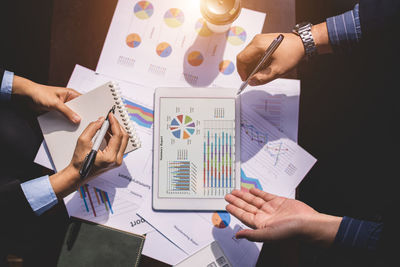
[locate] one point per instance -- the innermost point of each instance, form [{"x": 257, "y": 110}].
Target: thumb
[
  {"x": 68, "y": 113},
  {"x": 257, "y": 235}
]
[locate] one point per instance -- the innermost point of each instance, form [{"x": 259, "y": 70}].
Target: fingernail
[
  {"x": 76, "y": 118},
  {"x": 100, "y": 119}
]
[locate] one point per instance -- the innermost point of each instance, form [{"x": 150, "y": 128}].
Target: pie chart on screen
[
  {"x": 174, "y": 17},
  {"x": 221, "y": 219},
  {"x": 226, "y": 67},
  {"x": 143, "y": 9},
  {"x": 195, "y": 58},
  {"x": 133, "y": 40},
  {"x": 164, "y": 49},
  {"x": 182, "y": 127}
]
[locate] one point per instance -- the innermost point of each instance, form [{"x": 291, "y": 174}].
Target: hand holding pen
[
  {"x": 263, "y": 61},
  {"x": 69, "y": 179},
  {"x": 285, "y": 58}
]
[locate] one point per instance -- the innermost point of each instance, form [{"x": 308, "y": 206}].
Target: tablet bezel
[{"x": 191, "y": 203}]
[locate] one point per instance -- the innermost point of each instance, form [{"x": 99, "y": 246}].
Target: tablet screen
[{"x": 196, "y": 147}]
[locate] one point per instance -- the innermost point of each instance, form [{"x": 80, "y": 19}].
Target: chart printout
[
  {"x": 197, "y": 147},
  {"x": 160, "y": 42}
]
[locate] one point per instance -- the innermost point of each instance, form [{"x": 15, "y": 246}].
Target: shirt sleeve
[
  {"x": 344, "y": 30},
  {"x": 6, "y": 86},
  {"x": 358, "y": 234},
  {"x": 40, "y": 194}
]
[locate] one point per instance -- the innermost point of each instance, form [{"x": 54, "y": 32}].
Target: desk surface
[{"x": 79, "y": 29}]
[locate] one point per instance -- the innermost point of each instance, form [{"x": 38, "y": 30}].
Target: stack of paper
[{"x": 166, "y": 43}]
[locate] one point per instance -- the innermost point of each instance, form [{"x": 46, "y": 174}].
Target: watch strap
[{"x": 304, "y": 31}]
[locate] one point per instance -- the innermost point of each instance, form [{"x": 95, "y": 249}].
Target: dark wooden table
[{"x": 79, "y": 29}]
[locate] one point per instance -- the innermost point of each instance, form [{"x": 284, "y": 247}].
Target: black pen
[
  {"x": 268, "y": 53},
  {"x": 89, "y": 159}
]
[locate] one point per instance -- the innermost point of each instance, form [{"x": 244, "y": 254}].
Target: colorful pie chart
[
  {"x": 164, "y": 49},
  {"x": 226, "y": 67},
  {"x": 143, "y": 9},
  {"x": 174, "y": 17},
  {"x": 221, "y": 219},
  {"x": 133, "y": 40},
  {"x": 182, "y": 127},
  {"x": 202, "y": 28},
  {"x": 195, "y": 58},
  {"x": 236, "y": 35}
]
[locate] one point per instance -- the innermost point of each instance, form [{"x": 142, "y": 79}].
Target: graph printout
[
  {"x": 269, "y": 159},
  {"x": 197, "y": 147},
  {"x": 159, "y": 42}
]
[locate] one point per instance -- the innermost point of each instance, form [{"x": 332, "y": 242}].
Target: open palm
[{"x": 272, "y": 217}]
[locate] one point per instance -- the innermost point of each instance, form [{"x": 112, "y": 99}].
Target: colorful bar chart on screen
[
  {"x": 218, "y": 156},
  {"x": 181, "y": 177},
  {"x": 141, "y": 115}
]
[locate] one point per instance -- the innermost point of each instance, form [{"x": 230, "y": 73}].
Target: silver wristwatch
[{"x": 304, "y": 31}]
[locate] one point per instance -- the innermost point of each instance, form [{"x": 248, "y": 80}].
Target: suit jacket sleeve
[{"x": 15, "y": 209}]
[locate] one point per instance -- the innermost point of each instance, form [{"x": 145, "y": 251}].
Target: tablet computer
[{"x": 196, "y": 159}]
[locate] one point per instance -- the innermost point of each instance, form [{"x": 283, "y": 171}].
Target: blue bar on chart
[{"x": 219, "y": 157}]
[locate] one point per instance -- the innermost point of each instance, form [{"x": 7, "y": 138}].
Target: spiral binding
[{"x": 127, "y": 123}]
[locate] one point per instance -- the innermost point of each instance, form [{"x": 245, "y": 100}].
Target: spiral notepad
[{"x": 61, "y": 135}]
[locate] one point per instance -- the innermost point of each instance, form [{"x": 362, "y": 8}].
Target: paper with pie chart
[
  {"x": 158, "y": 42},
  {"x": 197, "y": 146}
]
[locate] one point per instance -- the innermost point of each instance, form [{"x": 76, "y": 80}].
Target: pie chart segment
[
  {"x": 195, "y": 58},
  {"x": 133, "y": 40},
  {"x": 226, "y": 67},
  {"x": 164, "y": 49},
  {"x": 182, "y": 127},
  {"x": 174, "y": 17},
  {"x": 236, "y": 35},
  {"x": 221, "y": 219},
  {"x": 143, "y": 9}
]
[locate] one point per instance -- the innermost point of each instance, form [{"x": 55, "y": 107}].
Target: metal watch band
[{"x": 304, "y": 31}]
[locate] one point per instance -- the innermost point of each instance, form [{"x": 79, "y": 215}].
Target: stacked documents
[{"x": 166, "y": 43}]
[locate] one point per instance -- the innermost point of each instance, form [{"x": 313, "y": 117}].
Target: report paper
[{"x": 159, "y": 43}]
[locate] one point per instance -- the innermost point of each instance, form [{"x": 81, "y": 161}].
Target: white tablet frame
[{"x": 212, "y": 204}]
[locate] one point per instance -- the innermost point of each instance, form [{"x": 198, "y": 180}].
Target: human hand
[
  {"x": 276, "y": 218},
  {"x": 45, "y": 98},
  {"x": 68, "y": 179},
  {"x": 285, "y": 58}
]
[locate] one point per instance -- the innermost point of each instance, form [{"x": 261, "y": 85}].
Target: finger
[
  {"x": 116, "y": 138},
  {"x": 71, "y": 94},
  {"x": 256, "y": 235},
  {"x": 263, "y": 76},
  {"x": 125, "y": 139},
  {"x": 90, "y": 131},
  {"x": 253, "y": 200},
  {"x": 241, "y": 203},
  {"x": 68, "y": 113},
  {"x": 247, "y": 60},
  {"x": 262, "y": 194},
  {"x": 245, "y": 217}
]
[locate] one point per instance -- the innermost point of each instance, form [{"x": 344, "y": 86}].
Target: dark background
[{"x": 43, "y": 40}]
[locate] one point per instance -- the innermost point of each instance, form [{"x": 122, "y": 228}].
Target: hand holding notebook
[{"x": 61, "y": 136}]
